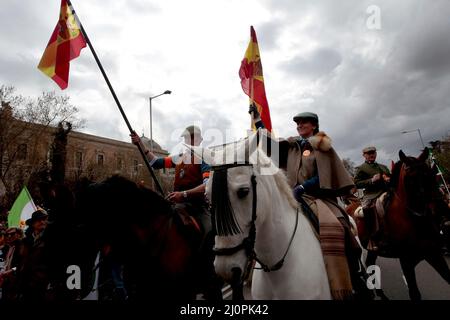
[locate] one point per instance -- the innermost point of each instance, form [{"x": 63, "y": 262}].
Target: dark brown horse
[
  {"x": 409, "y": 230},
  {"x": 157, "y": 251}
]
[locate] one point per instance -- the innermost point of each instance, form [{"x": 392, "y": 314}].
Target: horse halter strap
[{"x": 248, "y": 244}]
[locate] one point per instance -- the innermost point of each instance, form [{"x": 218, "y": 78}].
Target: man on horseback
[
  {"x": 374, "y": 178},
  {"x": 191, "y": 176}
]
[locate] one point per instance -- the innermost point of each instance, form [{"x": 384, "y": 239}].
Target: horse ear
[
  {"x": 424, "y": 155},
  {"x": 403, "y": 157}
]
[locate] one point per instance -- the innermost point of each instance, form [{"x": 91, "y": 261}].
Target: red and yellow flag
[
  {"x": 65, "y": 44},
  {"x": 252, "y": 79}
]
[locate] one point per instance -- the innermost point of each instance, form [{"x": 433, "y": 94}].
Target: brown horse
[
  {"x": 137, "y": 228},
  {"x": 409, "y": 230}
]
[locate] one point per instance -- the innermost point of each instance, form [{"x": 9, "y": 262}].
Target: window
[
  {"x": 22, "y": 151},
  {"x": 119, "y": 164},
  {"x": 100, "y": 159},
  {"x": 135, "y": 165},
  {"x": 78, "y": 159}
]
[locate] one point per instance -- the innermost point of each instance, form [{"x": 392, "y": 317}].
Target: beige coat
[{"x": 322, "y": 160}]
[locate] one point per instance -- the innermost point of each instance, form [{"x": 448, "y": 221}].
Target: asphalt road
[{"x": 430, "y": 283}]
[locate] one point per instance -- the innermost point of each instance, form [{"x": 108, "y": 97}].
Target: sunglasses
[{"x": 371, "y": 152}]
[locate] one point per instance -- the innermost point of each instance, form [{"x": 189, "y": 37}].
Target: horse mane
[
  {"x": 395, "y": 175},
  {"x": 224, "y": 221},
  {"x": 283, "y": 186},
  {"x": 149, "y": 198},
  {"x": 281, "y": 181}
]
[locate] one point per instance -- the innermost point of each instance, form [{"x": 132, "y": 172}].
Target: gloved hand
[
  {"x": 253, "y": 110},
  {"x": 298, "y": 191},
  {"x": 135, "y": 139}
]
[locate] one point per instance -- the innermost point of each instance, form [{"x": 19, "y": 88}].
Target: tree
[
  {"x": 441, "y": 152},
  {"x": 25, "y": 127},
  {"x": 349, "y": 166},
  {"x": 59, "y": 152}
]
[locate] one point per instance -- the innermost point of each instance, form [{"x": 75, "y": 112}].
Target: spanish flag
[
  {"x": 252, "y": 79},
  {"x": 65, "y": 44}
]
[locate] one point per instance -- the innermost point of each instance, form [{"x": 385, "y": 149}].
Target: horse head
[{"x": 416, "y": 178}]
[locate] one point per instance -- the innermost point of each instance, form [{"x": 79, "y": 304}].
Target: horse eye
[{"x": 243, "y": 192}]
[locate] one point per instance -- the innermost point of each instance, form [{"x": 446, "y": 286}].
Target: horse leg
[
  {"x": 408, "y": 265},
  {"x": 439, "y": 264},
  {"x": 371, "y": 258},
  {"x": 370, "y": 261}
]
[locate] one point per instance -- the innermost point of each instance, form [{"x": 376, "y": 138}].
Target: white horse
[{"x": 282, "y": 235}]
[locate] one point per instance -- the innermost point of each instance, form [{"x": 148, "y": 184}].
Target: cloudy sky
[{"x": 368, "y": 79}]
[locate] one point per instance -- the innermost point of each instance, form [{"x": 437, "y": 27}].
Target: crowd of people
[{"x": 22, "y": 271}]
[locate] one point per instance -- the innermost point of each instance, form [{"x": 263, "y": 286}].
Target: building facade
[{"x": 26, "y": 150}]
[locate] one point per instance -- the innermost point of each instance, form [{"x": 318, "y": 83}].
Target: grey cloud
[
  {"x": 268, "y": 34},
  {"x": 317, "y": 64},
  {"x": 21, "y": 70},
  {"x": 426, "y": 44},
  {"x": 142, "y": 6},
  {"x": 203, "y": 112}
]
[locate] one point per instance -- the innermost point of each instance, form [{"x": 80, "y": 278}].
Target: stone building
[{"x": 26, "y": 150}]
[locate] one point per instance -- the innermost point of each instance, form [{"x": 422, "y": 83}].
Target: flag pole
[
  {"x": 150, "y": 169},
  {"x": 433, "y": 160}
]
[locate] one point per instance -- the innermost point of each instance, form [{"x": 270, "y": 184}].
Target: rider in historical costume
[
  {"x": 318, "y": 177},
  {"x": 374, "y": 179},
  {"x": 191, "y": 176}
]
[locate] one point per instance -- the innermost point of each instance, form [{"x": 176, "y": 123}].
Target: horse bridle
[{"x": 248, "y": 244}]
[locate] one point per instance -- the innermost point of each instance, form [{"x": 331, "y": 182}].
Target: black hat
[{"x": 39, "y": 214}]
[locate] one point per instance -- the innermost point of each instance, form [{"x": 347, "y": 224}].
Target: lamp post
[
  {"x": 151, "y": 123},
  {"x": 420, "y": 135}
]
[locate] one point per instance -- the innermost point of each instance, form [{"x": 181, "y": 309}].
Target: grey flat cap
[
  {"x": 369, "y": 149},
  {"x": 306, "y": 115}
]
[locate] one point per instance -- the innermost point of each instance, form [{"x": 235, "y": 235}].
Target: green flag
[{"x": 21, "y": 210}]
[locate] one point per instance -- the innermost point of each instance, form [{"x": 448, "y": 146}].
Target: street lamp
[
  {"x": 420, "y": 136},
  {"x": 151, "y": 126}
]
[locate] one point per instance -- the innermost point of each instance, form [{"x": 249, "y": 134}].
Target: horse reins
[{"x": 248, "y": 244}]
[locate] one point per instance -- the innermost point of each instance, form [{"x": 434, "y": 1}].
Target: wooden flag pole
[{"x": 150, "y": 169}]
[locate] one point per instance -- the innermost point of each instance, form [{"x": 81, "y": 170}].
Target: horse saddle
[{"x": 379, "y": 207}]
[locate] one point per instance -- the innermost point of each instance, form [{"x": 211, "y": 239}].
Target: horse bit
[{"x": 248, "y": 244}]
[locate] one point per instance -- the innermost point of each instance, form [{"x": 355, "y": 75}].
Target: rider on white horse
[{"x": 317, "y": 176}]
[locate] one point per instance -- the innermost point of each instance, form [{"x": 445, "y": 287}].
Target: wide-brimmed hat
[{"x": 39, "y": 214}]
